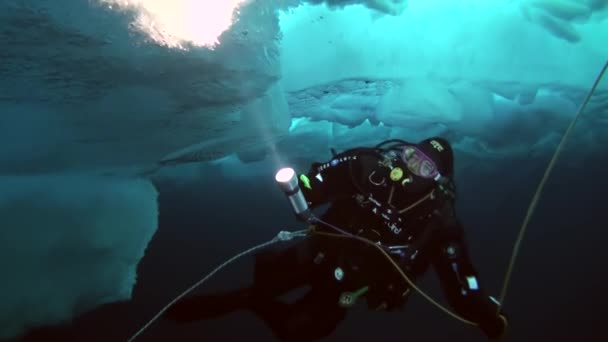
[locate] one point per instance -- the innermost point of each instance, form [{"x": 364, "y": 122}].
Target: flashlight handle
[{"x": 299, "y": 204}]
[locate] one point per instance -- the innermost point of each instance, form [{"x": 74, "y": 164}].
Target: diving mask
[{"x": 419, "y": 163}]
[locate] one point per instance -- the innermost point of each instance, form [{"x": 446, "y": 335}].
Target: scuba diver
[{"x": 398, "y": 195}]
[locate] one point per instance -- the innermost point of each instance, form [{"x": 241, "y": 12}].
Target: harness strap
[{"x": 430, "y": 195}]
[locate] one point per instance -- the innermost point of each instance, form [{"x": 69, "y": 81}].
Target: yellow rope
[
  {"x": 541, "y": 185},
  {"x": 522, "y": 230}
]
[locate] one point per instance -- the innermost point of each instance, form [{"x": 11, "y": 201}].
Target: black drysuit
[{"x": 372, "y": 195}]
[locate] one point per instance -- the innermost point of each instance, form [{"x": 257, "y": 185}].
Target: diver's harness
[
  {"x": 392, "y": 217},
  {"x": 288, "y": 181},
  {"x": 301, "y": 209}
]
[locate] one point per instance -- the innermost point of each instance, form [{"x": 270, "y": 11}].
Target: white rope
[{"x": 281, "y": 236}]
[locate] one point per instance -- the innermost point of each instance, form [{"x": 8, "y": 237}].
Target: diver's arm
[
  {"x": 328, "y": 181},
  {"x": 459, "y": 278}
]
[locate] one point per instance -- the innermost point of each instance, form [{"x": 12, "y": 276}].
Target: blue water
[{"x": 557, "y": 290}]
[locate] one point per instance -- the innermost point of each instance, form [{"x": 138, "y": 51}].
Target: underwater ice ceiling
[{"x": 97, "y": 95}]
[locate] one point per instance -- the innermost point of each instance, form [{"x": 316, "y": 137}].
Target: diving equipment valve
[{"x": 288, "y": 182}]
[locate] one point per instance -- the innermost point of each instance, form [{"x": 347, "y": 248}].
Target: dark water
[{"x": 556, "y": 292}]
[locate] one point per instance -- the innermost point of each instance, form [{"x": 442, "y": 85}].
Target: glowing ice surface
[{"x": 176, "y": 23}]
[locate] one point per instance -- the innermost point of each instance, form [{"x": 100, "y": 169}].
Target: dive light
[{"x": 288, "y": 181}]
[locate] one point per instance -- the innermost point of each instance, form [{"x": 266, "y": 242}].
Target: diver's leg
[
  {"x": 276, "y": 272},
  {"x": 314, "y": 316},
  {"x": 202, "y": 307}
]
